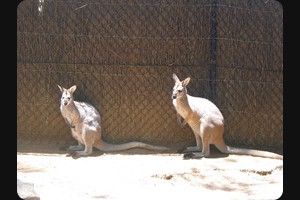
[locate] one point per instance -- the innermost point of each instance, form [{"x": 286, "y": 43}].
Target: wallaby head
[
  {"x": 179, "y": 88},
  {"x": 66, "y": 94}
]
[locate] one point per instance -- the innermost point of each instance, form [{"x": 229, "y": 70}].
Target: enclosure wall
[{"x": 122, "y": 54}]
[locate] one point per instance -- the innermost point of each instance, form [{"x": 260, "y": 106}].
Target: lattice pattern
[{"x": 121, "y": 55}]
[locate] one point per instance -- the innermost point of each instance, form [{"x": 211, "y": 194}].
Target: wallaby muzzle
[{"x": 65, "y": 102}]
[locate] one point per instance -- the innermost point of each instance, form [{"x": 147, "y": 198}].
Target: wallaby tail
[
  {"x": 253, "y": 152},
  {"x": 103, "y": 146}
]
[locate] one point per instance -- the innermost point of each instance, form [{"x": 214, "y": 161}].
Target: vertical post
[{"x": 213, "y": 50}]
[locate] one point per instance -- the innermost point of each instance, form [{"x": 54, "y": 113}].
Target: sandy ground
[{"x": 131, "y": 176}]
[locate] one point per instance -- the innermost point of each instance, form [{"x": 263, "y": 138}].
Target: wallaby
[
  {"x": 85, "y": 123},
  {"x": 207, "y": 123}
]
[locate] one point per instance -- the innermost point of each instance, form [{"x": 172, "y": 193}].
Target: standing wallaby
[
  {"x": 207, "y": 123},
  {"x": 85, "y": 123}
]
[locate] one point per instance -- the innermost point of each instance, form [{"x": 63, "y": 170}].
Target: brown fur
[
  {"x": 85, "y": 123},
  {"x": 207, "y": 123}
]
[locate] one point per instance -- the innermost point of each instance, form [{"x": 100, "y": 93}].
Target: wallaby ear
[
  {"x": 72, "y": 89},
  {"x": 61, "y": 88},
  {"x": 186, "y": 81},
  {"x": 175, "y": 78}
]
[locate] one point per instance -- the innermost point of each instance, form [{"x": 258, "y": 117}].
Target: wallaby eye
[{"x": 179, "y": 90}]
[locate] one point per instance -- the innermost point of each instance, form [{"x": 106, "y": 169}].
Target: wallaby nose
[
  {"x": 173, "y": 96},
  {"x": 65, "y": 103}
]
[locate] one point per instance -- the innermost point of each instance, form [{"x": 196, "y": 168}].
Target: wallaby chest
[
  {"x": 70, "y": 114},
  {"x": 182, "y": 107}
]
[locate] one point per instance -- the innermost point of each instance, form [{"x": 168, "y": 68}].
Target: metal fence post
[{"x": 213, "y": 50}]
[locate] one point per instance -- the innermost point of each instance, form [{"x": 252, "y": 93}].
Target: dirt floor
[{"x": 148, "y": 175}]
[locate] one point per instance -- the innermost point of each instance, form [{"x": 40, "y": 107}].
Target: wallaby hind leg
[
  {"x": 195, "y": 155},
  {"x": 88, "y": 137},
  {"x": 88, "y": 150},
  {"x": 78, "y": 147},
  {"x": 192, "y": 149},
  {"x": 205, "y": 133}
]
